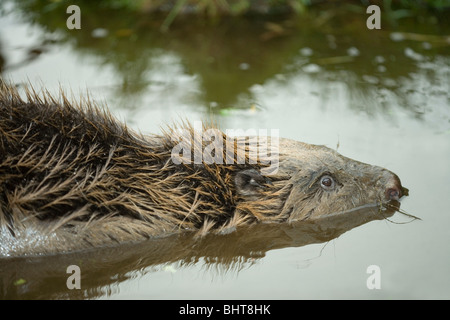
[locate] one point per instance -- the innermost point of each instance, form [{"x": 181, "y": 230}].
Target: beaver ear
[{"x": 248, "y": 182}]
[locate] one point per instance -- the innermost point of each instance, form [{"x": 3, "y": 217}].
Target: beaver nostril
[{"x": 393, "y": 194}]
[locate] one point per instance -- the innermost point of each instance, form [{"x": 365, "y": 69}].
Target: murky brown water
[{"x": 379, "y": 96}]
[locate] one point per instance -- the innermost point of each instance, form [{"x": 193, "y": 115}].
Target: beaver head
[{"x": 313, "y": 181}]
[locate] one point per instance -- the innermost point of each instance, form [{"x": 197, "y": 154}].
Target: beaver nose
[
  {"x": 394, "y": 190},
  {"x": 393, "y": 194}
]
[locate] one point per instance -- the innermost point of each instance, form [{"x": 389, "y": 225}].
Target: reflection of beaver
[
  {"x": 104, "y": 268},
  {"x": 72, "y": 177}
]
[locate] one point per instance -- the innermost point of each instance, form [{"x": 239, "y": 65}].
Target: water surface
[{"x": 378, "y": 96}]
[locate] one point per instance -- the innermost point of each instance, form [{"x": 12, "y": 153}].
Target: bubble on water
[
  {"x": 99, "y": 33},
  {"x": 244, "y": 66},
  {"x": 381, "y": 68},
  {"x": 380, "y": 59},
  {"x": 370, "y": 79},
  {"x": 311, "y": 68},
  {"x": 397, "y": 36},
  {"x": 426, "y": 45},
  {"x": 353, "y": 52},
  {"x": 307, "y": 52},
  {"x": 213, "y": 104},
  {"x": 410, "y": 53}
]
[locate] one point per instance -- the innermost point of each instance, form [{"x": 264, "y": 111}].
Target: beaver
[{"x": 73, "y": 177}]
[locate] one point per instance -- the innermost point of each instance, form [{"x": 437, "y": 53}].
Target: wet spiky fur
[
  {"x": 73, "y": 177},
  {"x": 74, "y": 168}
]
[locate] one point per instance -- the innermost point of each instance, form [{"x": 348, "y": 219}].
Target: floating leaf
[{"x": 20, "y": 282}]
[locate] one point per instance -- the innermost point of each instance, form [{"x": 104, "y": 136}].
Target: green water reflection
[{"x": 230, "y": 55}]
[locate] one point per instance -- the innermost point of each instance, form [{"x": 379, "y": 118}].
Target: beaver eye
[{"x": 327, "y": 182}]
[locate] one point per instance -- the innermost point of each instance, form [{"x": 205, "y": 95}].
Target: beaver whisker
[
  {"x": 413, "y": 217},
  {"x": 397, "y": 209}
]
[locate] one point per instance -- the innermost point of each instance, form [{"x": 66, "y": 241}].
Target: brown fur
[{"x": 72, "y": 177}]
